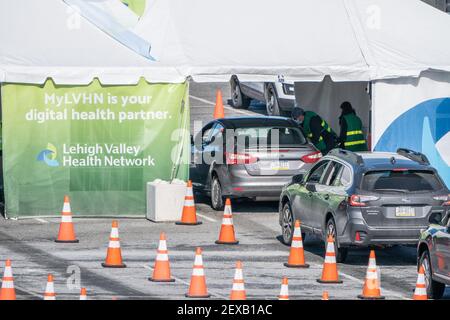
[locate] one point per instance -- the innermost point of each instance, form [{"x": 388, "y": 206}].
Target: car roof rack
[
  {"x": 414, "y": 156},
  {"x": 350, "y": 155}
]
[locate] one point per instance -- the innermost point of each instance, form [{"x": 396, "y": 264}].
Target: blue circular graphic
[{"x": 419, "y": 129}]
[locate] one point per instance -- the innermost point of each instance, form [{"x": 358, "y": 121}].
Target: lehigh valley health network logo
[{"x": 48, "y": 156}]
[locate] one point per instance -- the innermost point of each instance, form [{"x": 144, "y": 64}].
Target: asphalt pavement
[{"x": 29, "y": 243}]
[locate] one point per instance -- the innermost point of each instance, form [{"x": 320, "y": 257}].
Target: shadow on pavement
[{"x": 391, "y": 256}]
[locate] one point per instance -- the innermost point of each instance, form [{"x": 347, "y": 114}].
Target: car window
[
  {"x": 271, "y": 136},
  {"x": 401, "y": 181},
  {"x": 217, "y": 132},
  {"x": 317, "y": 172},
  {"x": 206, "y": 132},
  {"x": 213, "y": 131},
  {"x": 333, "y": 173},
  {"x": 446, "y": 220},
  {"x": 344, "y": 178}
]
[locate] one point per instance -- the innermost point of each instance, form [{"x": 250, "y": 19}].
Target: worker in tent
[
  {"x": 316, "y": 129},
  {"x": 351, "y": 136}
]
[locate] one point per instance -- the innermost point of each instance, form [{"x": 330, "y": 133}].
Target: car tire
[
  {"x": 238, "y": 99},
  {"x": 287, "y": 224},
  {"x": 217, "y": 202},
  {"x": 341, "y": 253},
  {"x": 435, "y": 290},
  {"x": 272, "y": 105}
]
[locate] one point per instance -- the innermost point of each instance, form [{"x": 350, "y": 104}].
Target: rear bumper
[
  {"x": 286, "y": 104},
  {"x": 237, "y": 183},
  {"x": 370, "y": 236}
]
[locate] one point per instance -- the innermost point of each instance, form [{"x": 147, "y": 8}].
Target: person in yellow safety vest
[
  {"x": 316, "y": 129},
  {"x": 351, "y": 136}
]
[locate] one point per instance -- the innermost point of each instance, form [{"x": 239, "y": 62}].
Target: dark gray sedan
[{"x": 249, "y": 157}]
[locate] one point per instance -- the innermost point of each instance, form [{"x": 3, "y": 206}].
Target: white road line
[
  {"x": 248, "y": 113},
  {"x": 41, "y": 220},
  {"x": 392, "y": 293},
  {"x": 206, "y": 218},
  {"x": 27, "y": 291},
  {"x": 187, "y": 283}
]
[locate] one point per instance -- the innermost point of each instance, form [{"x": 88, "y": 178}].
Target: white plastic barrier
[{"x": 165, "y": 200}]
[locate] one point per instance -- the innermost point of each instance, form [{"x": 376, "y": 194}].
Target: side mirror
[
  {"x": 298, "y": 179},
  {"x": 435, "y": 218},
  {"x": 311, "y": 187}
]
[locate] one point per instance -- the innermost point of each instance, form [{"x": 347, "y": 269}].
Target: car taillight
[
  {"x": 360, "y": 201},
  {"x": 312, "y": 157},
  {"x": 445, "y": 199},
  {"x": 240, "y": 158}
]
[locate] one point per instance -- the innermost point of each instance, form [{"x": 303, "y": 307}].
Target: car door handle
[{"x": 326, "y": 197}]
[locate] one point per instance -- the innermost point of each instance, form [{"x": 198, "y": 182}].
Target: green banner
[{"x": 98, "y": 144}]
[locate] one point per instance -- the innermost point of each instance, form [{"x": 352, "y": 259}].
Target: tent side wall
[
  {"x": 414, "y": 113},
  {"x": 326, "y": 97}
]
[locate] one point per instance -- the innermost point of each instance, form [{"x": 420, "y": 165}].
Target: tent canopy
[
  {"x": 350, "y": 40},
  {"x": 49, "y": 39},
  {"x": 259, "y": 40}
]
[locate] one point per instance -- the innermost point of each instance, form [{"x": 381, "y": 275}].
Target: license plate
[
  {"x": 405, "y": 212},
  {"x": 279, "y": 165}
]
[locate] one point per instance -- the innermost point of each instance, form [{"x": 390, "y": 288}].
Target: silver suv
[
  {"x": 364, "y": 199},
  {"x": 279, "y": 96}
]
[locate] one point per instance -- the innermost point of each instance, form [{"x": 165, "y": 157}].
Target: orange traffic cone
[
  {"x": 371, "y": 289},
  {"x": 161, "y": 269},
  {"x": 66, "y": 231},
  {"x": 284, "y": 292},
  {"x": 114, "y": 253},
  {"x": 420, "y": 293},
  {"x": 189, "y": 215},
  {"x": 325, "y": 295},
  {"x": 197, "y": 287},
  {"x": 8, "y": 292},
  {"x": 218, "y": 109},
  {"x": 83, "y": 294},
  {"x": 49, "y": 293},
  {"x": 297, "y": 254},
  {"x": 226, "y": 235},
  {"x": 238, "y": 290},
  {"x": 330, "y": 271}
]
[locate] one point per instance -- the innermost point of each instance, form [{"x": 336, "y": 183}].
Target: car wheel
[
  {"x": 435, "y": 290},
  {"x": 287, "y": 224},
  {"x": 272, "y": 106},
  {"x": 238, "y": 99},
  {"x": 341, "y": 253},
  {"x": 216, "y": 194}
]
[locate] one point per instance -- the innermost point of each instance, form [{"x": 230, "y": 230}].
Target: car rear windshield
[
  {"x": 270, "y": 136},
  {"x": 401, "y": 181}
]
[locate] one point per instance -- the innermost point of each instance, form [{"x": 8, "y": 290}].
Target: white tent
[{"x": 389, "y": 57}]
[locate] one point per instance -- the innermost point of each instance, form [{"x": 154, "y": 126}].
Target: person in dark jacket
[
  {"x": 351, "y": 136},
  {"x": 316, "y": 129}
]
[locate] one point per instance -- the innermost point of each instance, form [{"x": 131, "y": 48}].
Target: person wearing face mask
[{"x": 316, "y": 129}]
